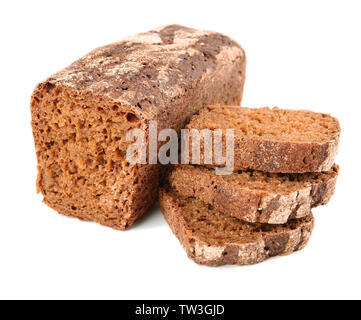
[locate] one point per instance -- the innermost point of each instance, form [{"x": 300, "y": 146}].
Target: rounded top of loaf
[{"x": 150, "y": 70}]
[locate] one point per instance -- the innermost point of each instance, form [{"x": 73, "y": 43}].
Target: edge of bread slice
[
  {"x": 214, "y": 239},
  {"x": 255, "y": 196},
  {"x": 274, "y": 140}
]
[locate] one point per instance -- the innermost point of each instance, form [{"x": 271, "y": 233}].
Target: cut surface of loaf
[
  {"x": 275, "y": 140},
  {"x": 213, "y": 238},
  {"x": 255, "y": 196},
  {"x": 80, "y": 116}
]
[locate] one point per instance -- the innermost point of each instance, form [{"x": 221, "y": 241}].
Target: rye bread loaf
[
  {"x": 275, "y": 140},
  {"x": 255, "y": 196},
  {"x": 212, "y": 238},
  {"x": 80, "y": 116}
]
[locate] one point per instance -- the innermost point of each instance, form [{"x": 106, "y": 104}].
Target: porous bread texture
[
  {"x": 213, "y": 238},
  {"x": 255, "y": 196},
  {"x": 80, "y": 116},
  {"x": 275, "y": 140},
  {"x": 83, "y": 171}
]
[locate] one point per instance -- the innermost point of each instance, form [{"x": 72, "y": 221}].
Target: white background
[{"x": 301, "y": 54}]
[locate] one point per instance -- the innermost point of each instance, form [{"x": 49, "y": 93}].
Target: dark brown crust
[
  {"x": 251, "y": 205},
  {"x": 285, "y": 157},
  {"x": 165, "y": 75},
  {"x": 294, "y": 237}
]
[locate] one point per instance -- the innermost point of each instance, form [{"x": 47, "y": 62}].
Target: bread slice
[
  {"x": 81, "y": 116},
  {"x": 212, "y": 238},
  {"x": 255, "y": 196},
  {"x": 275, "y": 140}
]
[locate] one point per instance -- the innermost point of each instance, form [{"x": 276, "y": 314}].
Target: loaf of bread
[
  {"x": 80, "y": 116},
  {"x": 274, "y": 140},
  {"x": 213, "y": 238},
  {"x": 255, "y": 196}
]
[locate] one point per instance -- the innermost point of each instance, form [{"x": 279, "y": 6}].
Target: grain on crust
[
  {"x": 212, "y": 238},
  {"x": 80, "y": 116},
  {"x": 275, "y": 140},
  {"x": 255, "y": 196}
]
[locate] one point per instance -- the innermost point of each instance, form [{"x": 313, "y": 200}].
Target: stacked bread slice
[{"x": 283, "y": 167}]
